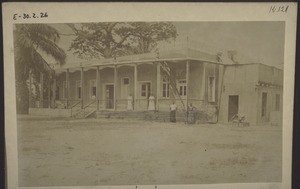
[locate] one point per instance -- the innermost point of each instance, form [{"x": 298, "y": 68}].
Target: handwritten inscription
[
  {"x": 278, "y": 9},
  {"x": 25, "y": 16}
]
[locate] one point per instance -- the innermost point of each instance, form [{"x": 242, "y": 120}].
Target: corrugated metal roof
[
  {"x": 174, "y": 55},
  {"x": 165, "y": 55}
]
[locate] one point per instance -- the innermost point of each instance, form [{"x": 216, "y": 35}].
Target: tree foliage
[
  {"x": 29, "y": 41},
  {"x": 112, "y": 39}
]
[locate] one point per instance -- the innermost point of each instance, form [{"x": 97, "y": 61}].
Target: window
[
  {"x": 64, "y": 90},
  {"x": 166, "y": 88},
  {"x": 78, "y": 89},
  {"x": 264, "y": 105},
  {"x": 277, "y": 102},
  {"x": 93, "y": 90},
  {"x": 182, "y": 87},
  {"x": 211, "y": 89},
  {"x": 145, "y": 89}
]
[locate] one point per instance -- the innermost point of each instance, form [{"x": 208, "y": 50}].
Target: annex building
[{"x": 218, "y": 85}]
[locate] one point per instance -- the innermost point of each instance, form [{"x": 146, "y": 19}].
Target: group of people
[
  {"x": 191, "y": 115},
  {"x": 150, "y": 106}
]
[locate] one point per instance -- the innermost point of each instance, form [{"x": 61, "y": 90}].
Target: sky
[{"x": 261, "y": 41}]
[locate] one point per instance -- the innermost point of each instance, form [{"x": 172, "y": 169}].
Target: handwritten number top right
[{"x": 275, "y": 9}]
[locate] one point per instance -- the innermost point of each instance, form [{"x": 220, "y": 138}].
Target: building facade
[
  {"x": 151, "y": 82},
  {"x": 254, "y": 90}
]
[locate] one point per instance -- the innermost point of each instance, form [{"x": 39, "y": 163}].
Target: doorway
[
  {"x": 145, "y": 94},
  {"x": 125, "y": 88},
  {"x": 264, "y": 104},
  {"x": 109, "y": 96},
  {"x": 233, "y": 106}
]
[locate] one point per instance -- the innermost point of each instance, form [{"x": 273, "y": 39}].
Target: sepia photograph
[
  {"x": 118, "y": 103},
  {"x": 182, "y": 102}
]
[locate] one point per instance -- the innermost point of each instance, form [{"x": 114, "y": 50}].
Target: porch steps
[
  {"x": 89, "y": 114},
  {"x": 80, "y": 113}
]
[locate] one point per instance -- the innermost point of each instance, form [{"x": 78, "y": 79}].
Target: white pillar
[
  {"x": 41, "y": 89},
  {"x": 158, "y": 86},
  {"x": 135, "y": 87},
  {"x": 82, "y": 86},
  {"x": 54, "y": 90},
  {"x": 203, "y": 85},
  {"x": 115, "y": 86},
  {"x": 49, "y": 92},
  {"x": 67, "y": 88},
  {"x": 30, "y": 88},
  {"x": 98, "y": 86},
  {"x": 187, "y": 81}
]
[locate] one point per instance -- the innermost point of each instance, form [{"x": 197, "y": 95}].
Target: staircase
[{"x": 86, "y": 111}]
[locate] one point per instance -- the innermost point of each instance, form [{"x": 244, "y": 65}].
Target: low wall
[
  {"x": 161, "y": 116},
  {"x": 50, "y": 112}
]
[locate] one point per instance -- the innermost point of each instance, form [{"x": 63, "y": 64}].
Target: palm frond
[
  {"x": 52, "y": 49},
  {"x": 40, "y": 63},
  {"x": 45, "y": 31},
  {"x": 30, "y": 37}
]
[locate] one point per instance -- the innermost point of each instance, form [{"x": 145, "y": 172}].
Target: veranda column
[
  {"x": 135, "y": 87},
  {"x": 115, "y": 86},
  {"x": 41, "y": 89},
  {"x": 54, "y": 90},
  {"x": 158, "y": 87},
  {"x": 187, "y": 81},
  {"x": 82, "y": 85},
  {"x": 67, "y": 88},
  {"x": 98, "y": 86},
  {"x": 203, "y": 87},
  {"x": 30, "y": 87},
  {"x": 49, "y": 92},
  {"x": 215, "y": 78}
]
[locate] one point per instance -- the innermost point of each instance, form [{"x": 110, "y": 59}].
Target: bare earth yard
[{"x": 61, "y": 152}]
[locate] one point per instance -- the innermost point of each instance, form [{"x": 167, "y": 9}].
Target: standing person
[
  {"x": 191, "y": 114},
  {"x": 129, "y": 103},
  {"x": 173, "y": 109},
  {"x": 151, "y": 105}
]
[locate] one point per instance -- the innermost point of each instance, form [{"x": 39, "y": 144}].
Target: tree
[
  {"x": 112, "y": 39},
  {"x": 29, "y": 41}
]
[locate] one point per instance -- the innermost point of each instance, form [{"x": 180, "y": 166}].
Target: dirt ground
[{"x": 64, "y": 152}]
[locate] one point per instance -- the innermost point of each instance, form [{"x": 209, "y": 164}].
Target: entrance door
[
  {"x": 264, "y": 105},
  {"x": 109, "y": 96},
  {"x": 233, "y": 106},
  {"x": 125, "y": 88},
  {"x": 144, "y": 94}
]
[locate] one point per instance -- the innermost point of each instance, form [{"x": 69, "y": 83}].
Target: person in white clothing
[
  {"x": 129, "y": 103},
  {"x": 151, "y": 105}
]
